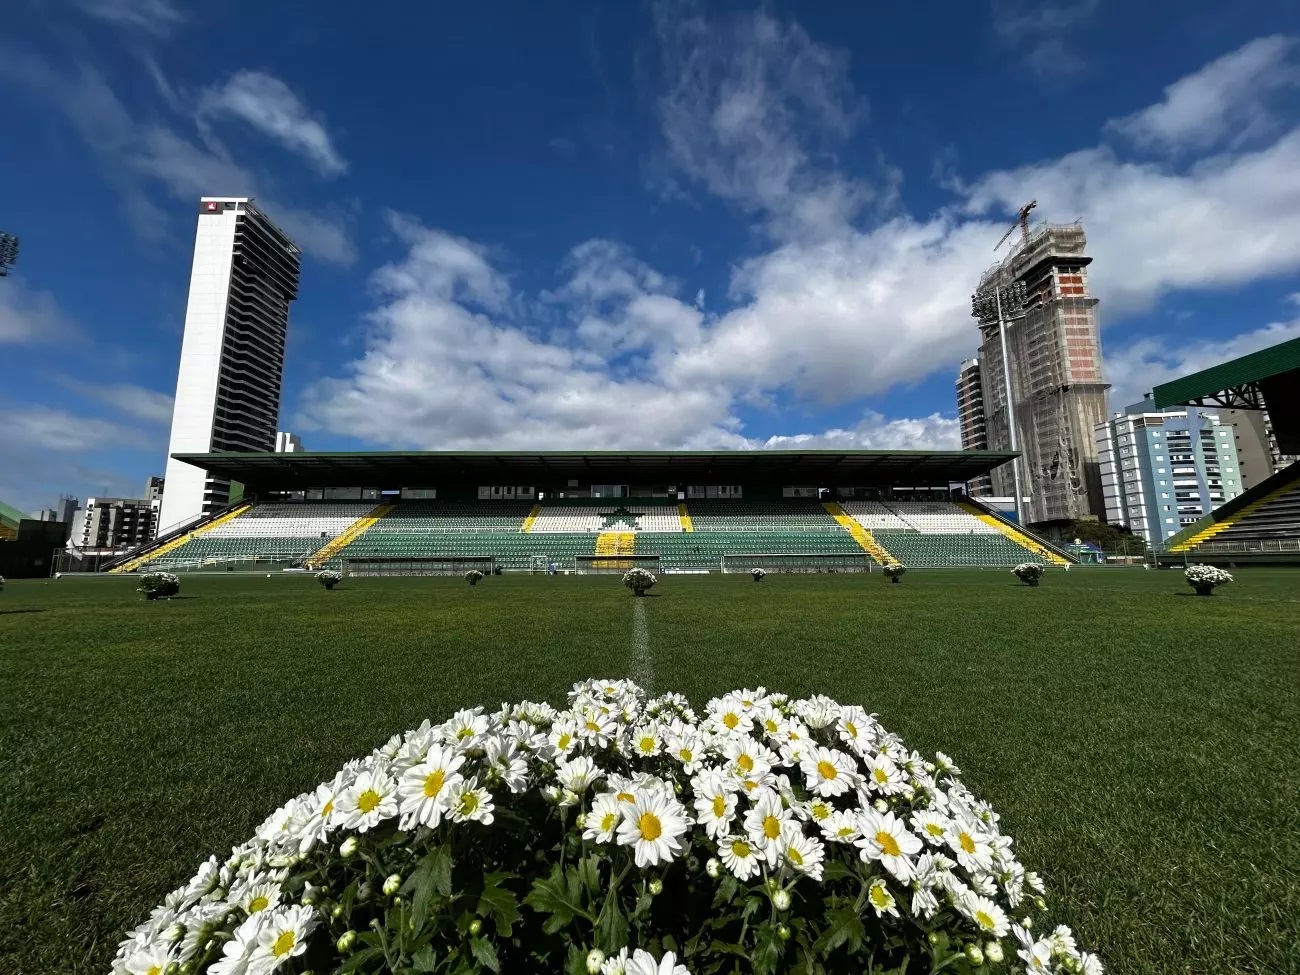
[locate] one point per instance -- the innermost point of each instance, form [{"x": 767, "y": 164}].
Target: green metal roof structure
[
  {"x": 10, "y": 515},
  {"x": 1267, "y": 378},
  {"x": 296, "y": 471}
]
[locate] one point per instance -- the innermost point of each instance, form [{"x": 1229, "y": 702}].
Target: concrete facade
[
  {"x": 1161, "y": 472},
  {"x": 970, "y": 414},
  {"x": 244, "y": 275}
]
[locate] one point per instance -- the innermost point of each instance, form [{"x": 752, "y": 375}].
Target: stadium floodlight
[
  {"x": 1004, "y": 304},
  {"x": 8, "y": 252}
]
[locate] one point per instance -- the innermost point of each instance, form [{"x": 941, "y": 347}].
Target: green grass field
[{"x": 1141, "y": 743}]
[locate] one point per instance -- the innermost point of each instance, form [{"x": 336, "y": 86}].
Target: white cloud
[
  {"x": 1038, "y": 35},
  {"x": 64, "y": 432},
  {"x": 831, "y": 312},
  {"x": 1136, "y": 367},
  {"x": 157, "y": 17},
  {"x": 270, "y": 106},
  {"x": 29, "y": 317},
  {"x": 876, "y": 432},
  {"x": 139, "y": 155},
  {"x": 1226, "y": 99},
  {"x": 134, "y": 401}
]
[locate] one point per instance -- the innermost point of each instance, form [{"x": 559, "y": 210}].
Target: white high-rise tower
[{"x": 245, "y": 274}]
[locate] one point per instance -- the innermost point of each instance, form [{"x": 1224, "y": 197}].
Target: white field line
[{"x": 643, "y": 671}]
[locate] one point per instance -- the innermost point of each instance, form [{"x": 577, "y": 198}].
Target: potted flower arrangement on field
[
  {"x": 329, "y": 578},
  {"x": 640, "y": 581},
  {"x": 159, "y": 585},
  {"x": 2, "y": 583},
  {"x": 1029, "y": 573},
  {"x": 758, "y": 574},
  {"x": 625, "y": 835},
  {"x": 894, "y": 571},
  {"x": 1205, "y": 578},
  {"x": 473, "y": 576}
]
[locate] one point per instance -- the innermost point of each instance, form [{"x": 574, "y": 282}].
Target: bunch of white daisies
[
  {"x": 1206, "y": 575},
  {"x": 1029, "y": 572},
  {"x": 805, "y": 804}
]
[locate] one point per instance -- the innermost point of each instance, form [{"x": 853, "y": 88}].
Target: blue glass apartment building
[{"x": 1161, "y": 472}]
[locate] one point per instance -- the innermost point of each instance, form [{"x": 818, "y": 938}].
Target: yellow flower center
[
  {"x": 795, "y": 857},
  {"x": 154, "y": 970},
  {"x": 771, "y": 827},
  {"x": 741, "y": 849},
  {"x": 844, "y": 832},
  {"x": 750, "y": 785},
  {"x": 647, "y": 744},
  {"x": 608, "y": 822},
  {"x": 433, "y": 783},
  {"x": 748, "y": 704},
  {"x": 984, "y": 921},
  {"x": 464, "y": 733},
  {"x": 368, "y": 800},
  {"x": 284, "y": 944},
  {"x": 625, "y": 797},
  {"x": 592, "y": 726},
  {"x": 820, "y": 810},
  {"x": 745, "y": 762},
  {"x": 731, "y": 719},
  {"x": 880, "y": 897},
  {"x": 258, "y": 903},
  {"x": 686, "y": 755},
  {"x": 827, "y": 771},
  {"x": 564, "y": 741},
  {"x": 888, "y": 845},
  {"x": 771, "y": 726},
  {"x": 650, "y": 827},
  {"x": 719, "y": 806},
  {"x": 851, "y": 728},
  {"x": 880, "y": 775},
  {"x": 966, "y": 842},
  {"x": 468, "y": 803},
  {"x": 934, "y": 829}
]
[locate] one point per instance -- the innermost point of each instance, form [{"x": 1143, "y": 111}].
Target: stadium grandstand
[
  {"x": 676, "y": 511},
  {"x": 1262, "y": 525}
]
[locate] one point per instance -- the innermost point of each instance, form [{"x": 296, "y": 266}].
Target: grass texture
[{"x": 1140, "y": 742}]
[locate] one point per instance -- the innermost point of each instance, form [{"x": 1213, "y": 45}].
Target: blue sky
[{"x": 602, "y": 225}]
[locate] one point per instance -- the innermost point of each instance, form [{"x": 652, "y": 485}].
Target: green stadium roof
[
  {"x": 294, "y": 471},
  {"x": 1230, "y": 383},
  {"x": 11, "y": 515}
]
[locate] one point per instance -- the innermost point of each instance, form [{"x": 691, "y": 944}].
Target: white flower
[
  {"x": 597, "y": 729},
  {"x": 284, "y": 935},
  {"x": 578, "y": 774},
  {"x": 645, "y": 741},
  {"x": 595, "y": 958},
  {"x": 842, "y": 826},
  {"x": 468, "y": 801},
  {"x": 854, "y": 727},
  {"x": 424, "y": 788},
  {"x": 603, "y": 819},
  {"x": 652, "y": 826},
  {"x": 829, "y": 772},
  {"x": 971, "y": 846},
  {"x": 750, "y": 762},
  {"x": 728, "y": 716},
  {"x": 615, "y": 964},
  {"x": 764, "y": 824},
  {"x": 988, "y": 917},
  {"x": 465, "y": 728},
  {"x": 238, "y": 951},
  {"x": 643, "y": 963},
  {"x": 150, "y": 960},
  {"x": 740, "y": 856},
  {"x": 802, "y": 852},
  {"x": 259, "y": 896},
  {"x": 881, "y": 900},
  {"x": 931, "y": 826},
  {"x": 368, "y": 801},
  {"x": 715, "y": 802},
  {"x": 884, "y": 776},
  {"x": 502, "y": 760},
  {"x": 688, "y": 748},
  {"x": 886, "y": 839}
]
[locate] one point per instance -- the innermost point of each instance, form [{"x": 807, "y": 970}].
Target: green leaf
[
  {"x": 430, "y": 879},
  {"x": 844, "y": 927},
  {"x": 498, "y": 903},
  {"x": 485, "y": 953},
  {"x": 424, "y": 960},
  {"x": 726, "y": 890},
  {"x": 611, "y": 931},
  {"x": 357, "y": 959},
  {"x": 767, "y": 952},
  {"x": 835, "y": 870},
  {"x": 559, "y": 895},
  {"x": 588, "y": 871}
]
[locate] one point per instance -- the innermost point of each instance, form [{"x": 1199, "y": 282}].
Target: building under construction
[{"x": 1054, "y": 358}]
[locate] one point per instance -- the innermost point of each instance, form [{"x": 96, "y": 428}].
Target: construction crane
[{"x": 1023, "y": 223}]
